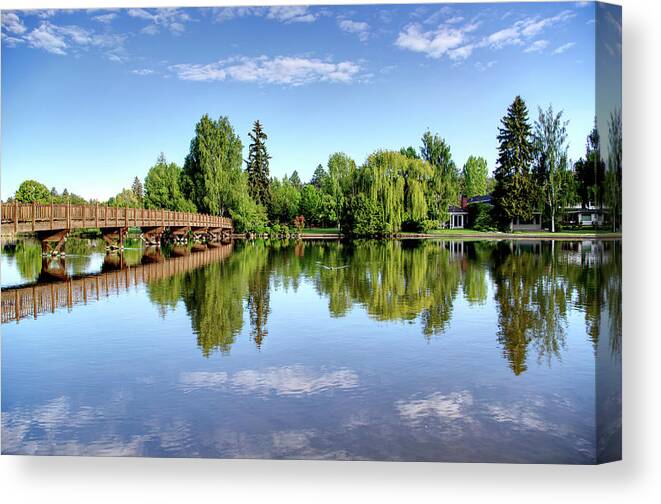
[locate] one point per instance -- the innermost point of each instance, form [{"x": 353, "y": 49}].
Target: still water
[{"x": 490, "y": 351}]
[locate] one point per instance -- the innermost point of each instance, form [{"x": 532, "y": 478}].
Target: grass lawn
[{"x": 320, "y": 231}]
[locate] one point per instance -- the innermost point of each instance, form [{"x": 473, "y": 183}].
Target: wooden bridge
[
  {"x": 35, "y": 300},
  {"x": 52, "y": 223}
]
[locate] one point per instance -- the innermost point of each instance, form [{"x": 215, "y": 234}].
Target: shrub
[{"x": 481, "y": 217}]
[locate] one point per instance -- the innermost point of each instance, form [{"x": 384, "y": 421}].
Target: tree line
[{"x": 406, "y": 190}]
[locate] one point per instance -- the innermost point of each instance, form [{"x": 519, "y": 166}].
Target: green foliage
[
  {"x": 296, "y": 180},
  {"x": 311, "y": 205},
  {"x": 285, "y": 200},
  {"x": 257, "y": 166},
  {"x": 125, "y": 199},
  {"x": 365, "y": 217},
  {"x": 515, "y": 194},
  {"x": 249, "y": 216},
  {"x": 212, "y": 177},
  {"x": 474, "y": 177},
  {"x": 409, "y": 152},
  {"x": 339, "y": 183},
  {"x": 137, "y": 189},
  {"x": 319, "y": 177},
  {"x": 162, "y": 187},
  {"x": 443, "y": 188},
  {"x": 32, "y": 191},
  {"x": 613, "y": 182},
  {"x": 552, "y": 168},
  {"x": 481, "y": 217},
  {"x": 590, "y": 173}
]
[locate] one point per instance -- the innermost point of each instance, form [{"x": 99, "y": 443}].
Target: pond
[{"x": 425, "y": 350}]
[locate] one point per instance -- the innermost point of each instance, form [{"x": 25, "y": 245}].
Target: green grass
[{"x": 320, "y": 231}]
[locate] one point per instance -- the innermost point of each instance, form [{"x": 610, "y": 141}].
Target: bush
[
  {"x": 365, "y": 218},
  {"x": 481, "y": 217}
]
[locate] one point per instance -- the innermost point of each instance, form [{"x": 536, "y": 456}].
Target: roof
[
  {"x": 481, "y": 199},
  {"x": 457, "y": 210}
]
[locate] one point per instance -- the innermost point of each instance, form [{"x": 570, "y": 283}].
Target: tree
[
  {"x": 162, "y": 187},
  {"x": 550, "y": 139},
  {"x": 54, "y": 194},
  {"x": 295, "y": 180},
  {"x": 590, "y": 172},
  {"x": 212, "y": 177},
  {"x": 319, "y": 177},
  {"x": 311, "y": 205},
  {"x": 125, "y": 199},
  {"x": 257, "y": 166},
  {"x": 137, "y": 189},
  {"x": 514, "y": 193},
  {"x": 31, "y": 191},
  {"x": 409, "y": 152},
  {"x": 285, "y": 200},
  {"x": 474, "y": 176},
  {"x": 338, "y": 184},
  {"x": 613, "y": 182},
  {"x": 443, "y": 188}
]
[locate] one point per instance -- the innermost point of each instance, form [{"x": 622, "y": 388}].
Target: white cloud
[
  {"x": 537, "y": 46},
  {"x": 285, "y": 380},
  {"x": 220, "y": 14},
  {"x": 142, "y": 71},
  {"x": 292, "y": 14},
  {"x": 359, "y": 28},
  {"x": 105, "y": 18},
  {"x": 171, "y": 19},
  {"x": 451, "y": 406},
  {"x": 46, "y": 37},
  {"x": 286, "y": 70},
  {"x": 481, "y": 66},
  {"x": 60, "y": 40},
  {"x": 12, "y": 23},
  {"x": 436, "y": 43},
  {"x": 564, "y": 48}
]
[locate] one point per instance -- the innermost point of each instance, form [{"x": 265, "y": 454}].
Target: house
[
  {"x": 458, "y": 214},
  {"x": 589, "y": 215},
  {"x": 534, "y": 224}
]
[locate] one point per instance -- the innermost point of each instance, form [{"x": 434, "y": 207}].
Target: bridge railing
[{"x": 33, "y": 216}]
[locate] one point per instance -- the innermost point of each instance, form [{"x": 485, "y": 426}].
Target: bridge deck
[{"x": 26, "y": 218}]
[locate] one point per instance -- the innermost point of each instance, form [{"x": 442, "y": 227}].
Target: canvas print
[{"x": 348, "y": 232}]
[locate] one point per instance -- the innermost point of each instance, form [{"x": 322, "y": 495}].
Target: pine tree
[
  {"x": 318, "y": 177},
  {"x": 514, "y": 194},
  {"x": 257, "y": 166},
  {"x": 295, "y": 180},
  {"x": 136, "y": 187}
]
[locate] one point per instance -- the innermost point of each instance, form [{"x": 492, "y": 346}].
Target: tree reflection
[{"x": 532, "y": 285}]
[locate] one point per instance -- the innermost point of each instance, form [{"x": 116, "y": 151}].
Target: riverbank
[{"x": 468, "y": 234}]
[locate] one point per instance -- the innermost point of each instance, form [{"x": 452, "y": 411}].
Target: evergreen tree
[
  {"x": 257, "y": 166},
  {"x": 295, "y": 180},
  {"x": 319, "y": 177},
  {"x": 409, "y": 152},
  {"x": 136, "y": 187},
  {"x": 514, "y": 193}
]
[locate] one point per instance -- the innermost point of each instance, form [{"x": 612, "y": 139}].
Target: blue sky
[{"x": 90, "y": 97}]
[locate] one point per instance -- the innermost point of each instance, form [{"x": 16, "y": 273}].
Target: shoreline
[{"x": 462, "y": 236}]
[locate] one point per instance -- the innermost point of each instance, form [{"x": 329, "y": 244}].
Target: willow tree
[
  {"x": 552, "y": 166},
  {"x": 515, "y": 194},
  {"x": 443, "y": 188},
  {"x": 212, "y": 177},
  {"x": 614, "y": 173},
  {"x": 257, "y": 166},
  {"x": 339, "y": 182}
]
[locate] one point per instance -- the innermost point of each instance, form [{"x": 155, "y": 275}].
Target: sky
[{"x": 91, "y": 97}]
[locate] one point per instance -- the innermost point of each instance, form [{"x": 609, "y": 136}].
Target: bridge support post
[
  {"x": 114, "y": 237},
  {"x": 52, "y": 242},
  {"x": 152, "y": 235}
]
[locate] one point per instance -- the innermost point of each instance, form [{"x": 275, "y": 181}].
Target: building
[
  {"x": 534, "y": 224},
  {"x": 589, "y": 215}
]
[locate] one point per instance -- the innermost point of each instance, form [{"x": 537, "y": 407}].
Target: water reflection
[
  {"x": 533, "y": 285},
  {"x": 398, "y": 350}
]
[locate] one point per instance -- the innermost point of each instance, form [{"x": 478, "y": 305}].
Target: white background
[{"x": 637, "y": 479}]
